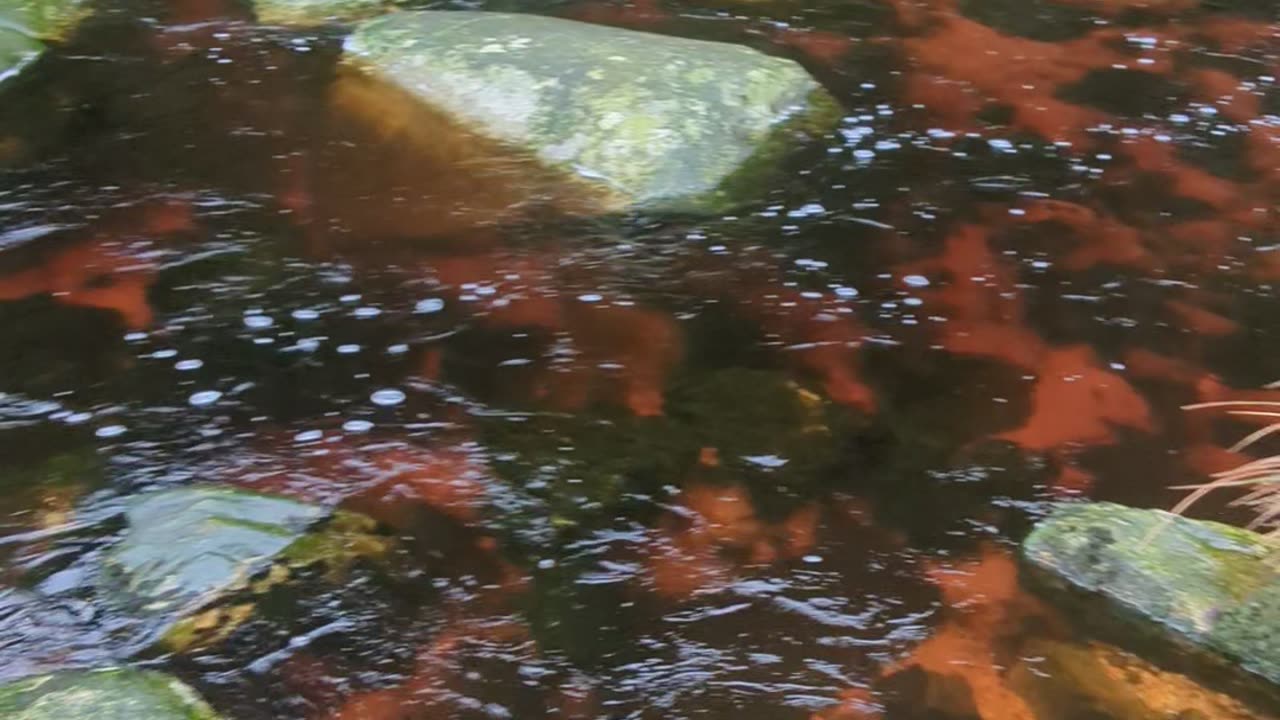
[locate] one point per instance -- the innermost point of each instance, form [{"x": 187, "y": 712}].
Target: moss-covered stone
[
  {"x": 17, "y": 50},
  {"x": 640, "y": 120},
  {"x": 317, "y": 12},
  {"x": 1207, "y": 585},
  {"x": 332, "y": 549},
  {"x": 185, "y": 546},
  {"x": 47, "y": 19},
  {"x": 106, "y": 694},
  {"x": 24, "y": 24}
]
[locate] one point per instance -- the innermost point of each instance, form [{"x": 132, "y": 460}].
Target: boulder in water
[
  {"x": 24, "y": 24},
  {"x": 632, "y": 120},
  {"x": 185, "y": 546},
  {"x": 106, "y": 694},
  {"x": 1204, "y": 585}
]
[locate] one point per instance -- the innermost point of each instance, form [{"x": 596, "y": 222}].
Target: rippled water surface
[{"x": 769, "y": 465}]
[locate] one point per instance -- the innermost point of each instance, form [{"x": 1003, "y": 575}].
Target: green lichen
[{"x": 1250, "y": 632}]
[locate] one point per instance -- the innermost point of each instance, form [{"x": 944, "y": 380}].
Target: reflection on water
[{"x": 641, "y": 466}]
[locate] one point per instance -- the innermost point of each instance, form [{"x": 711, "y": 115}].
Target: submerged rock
[
  {"x": 107, "y": 694},
  {"x": 1063, "y": 681},
  {"x": 629, "y": 119},
  {"x": 194, "y": 562},
  {"x": 185, "y": 546},
  {"x": 1206, "y": 585}
]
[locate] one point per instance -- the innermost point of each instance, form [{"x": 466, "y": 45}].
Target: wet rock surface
[
  {"x": 184, "y": 546},
  {"x": 25, "y": 23},
  {"x": 1208, "y": 585},
  {"x": 638, "y": 120},
  {"x": 107, "y": 694}
]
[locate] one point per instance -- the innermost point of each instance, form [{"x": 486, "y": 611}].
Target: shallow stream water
[{"x": 767, "y": 465}]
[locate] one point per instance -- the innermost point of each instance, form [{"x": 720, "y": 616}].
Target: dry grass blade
[{"x": 1261, "y": 476}]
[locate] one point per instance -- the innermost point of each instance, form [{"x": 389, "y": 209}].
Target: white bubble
[
  {"x": 397, "y": 349},
  {"x": 357, "y": 426},
  {"x": 367, "y": 311},
  {"x": 430, "y": 305},
  {"x": 847, "y": 292},
  {"x": 307, "y": 436},
  {"x": 258, "y": 322},
  {"x": 348, "y": 349},
  {"x": 188, "y": 365},
  {"x": 110, "y": 431},
  {"x": 387, "y": 397},
  {"x": 77, "y": 418},
  {"x": 916, "y": 281},
  {"x": 135, "y": 336},
  {"x": 166, "y": 353},
  {"x": 204, "y": 397},
  {"x": 305, "y": 314},
  {"x": 590, "y": 297}
]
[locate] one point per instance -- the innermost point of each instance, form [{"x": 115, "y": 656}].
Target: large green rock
[
  {"x": 1207, "y": 585},
  {"x": 183, "y": 547},
  {"x": 108, "y": 694},
  {"x": 25, "y": 23},
  {"x": 634, "y": 119},
  {"x": 17, "y": 50}
]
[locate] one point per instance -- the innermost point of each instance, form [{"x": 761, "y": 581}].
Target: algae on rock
[
  {"x": 317, "y": 12},
  {"x": 633, "y": 120},
  {"x": 1205, "y": 584},
  {"x": 25, "y": 23},
  {"x": 104, "y": 694},
  {"x": 186, "y": 545}
]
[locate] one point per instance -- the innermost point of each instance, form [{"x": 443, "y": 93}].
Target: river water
[{"x": 771, "y": 465}]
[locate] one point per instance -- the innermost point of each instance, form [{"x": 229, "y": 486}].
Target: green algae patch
[
  {"x": 648, "y": 121},
  {"x": 187, "y": 545},
  {"x": 1203, "y": 584},
  {"x": 106, "y": 694},
  {"x": 332, "y": 548},
  {"x": 307, "y": 13}
]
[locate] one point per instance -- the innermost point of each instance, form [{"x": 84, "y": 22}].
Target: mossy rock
[
  {"x": 24, "y": 24},
  {"x": 630, "y": 120},
  {"x": 106, "y": 694},
  {"x": 1205, "y": 585},
  {"x": 193, "y": 560},
  {"x": 17, "y": 51},
  {"x": 45, "y": 19},
  {"x": 317, "y": 12},
  {"x": 186, "y": 545}
]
